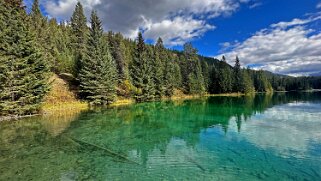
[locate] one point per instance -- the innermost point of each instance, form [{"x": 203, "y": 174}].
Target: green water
[{"x": 268, "y": 137}]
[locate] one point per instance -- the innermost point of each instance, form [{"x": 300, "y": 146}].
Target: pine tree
[
  {"x": 141, "y": 71},
  {"x": 172, "y": 76},
  {"x": 60, "y": 47},
  {"x": 196, "y": 81},
  {"x": 118, "y": 50},
  {"x": 247, "y": 86},
  {"x": 158, "y": 68},
  {"x": 225, "y": 78},
  {"x": 237, "y": 75},
  {"x": 98, "y": 72},
  {"x": 23, "y": 71},
  {"x": 137, "y": 68},
  {"x": 261, "y": 82},
  {"x": 192, "y": 71},
  {"x": 206, "y": 74},
  {"x": 39, "y": 25},
  {"x": 79, "y": 32},
  {"x": 149, "y": 88},
  {"x": 214, "y": 86}
]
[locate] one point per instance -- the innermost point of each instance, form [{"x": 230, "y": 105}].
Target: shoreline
[{"x": 77, "y": 106}]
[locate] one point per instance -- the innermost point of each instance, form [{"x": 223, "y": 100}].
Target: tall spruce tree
[
  {"x": 149, "y": 88},
  {"x": 196, "y": 80},
  {"x": 141, "y": 71},
  {"x": 172, "y": 76},
  {"x": 23, "y": 71},
  {"x": 39, "y": 25},
  {"x": 237, "y": 75},
  {"x": 137, "y": 68},
  {"x": 247, "y": 83},
  {"x": 225, "y": 81},
  {"x": 118, "y": 53},
  {"x": 98, "y": 72},
  {"x": 158, "y": 68},
  {"x": 206, "y": 74},
  {"x": 192, "y": 72},
  {"x": 261, "y": 82},
  {"x": 78, "y": 34}
]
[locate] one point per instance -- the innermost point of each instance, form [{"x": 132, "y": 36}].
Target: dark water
[{"x": 268, "y": 137}]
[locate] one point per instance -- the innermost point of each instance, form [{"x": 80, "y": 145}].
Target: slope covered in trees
[{"x": 107, "y": 65}]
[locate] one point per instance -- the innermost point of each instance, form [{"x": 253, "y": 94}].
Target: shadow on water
[{"x": 169, "y": 140}]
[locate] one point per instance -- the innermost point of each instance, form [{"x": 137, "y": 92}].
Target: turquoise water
[{"x": 267, "y": 137}]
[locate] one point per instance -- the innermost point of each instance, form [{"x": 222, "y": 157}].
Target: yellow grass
[
  {"x": 122, "y": 102},
  {"x": 61, "y": 98}
]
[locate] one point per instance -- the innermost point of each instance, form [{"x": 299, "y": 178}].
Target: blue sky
[
  {"x": 246, "y": 21},
  {"x": 282, "y": 36}
]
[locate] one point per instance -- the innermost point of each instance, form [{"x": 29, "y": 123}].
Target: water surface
[{"x": 266, "y": 137}]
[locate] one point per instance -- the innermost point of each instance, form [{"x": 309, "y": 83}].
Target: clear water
[{"x": 268, "y": 137}]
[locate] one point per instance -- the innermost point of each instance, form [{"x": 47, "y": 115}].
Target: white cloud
[
  {"x": 178, "y": 30},
  {"x": 295, "y": 22},
  {"x": 257, "y": 4},
  {"x": 318, "y": 5},
  {"x": 154, "y": 16},
  {"x": 286, "y": 47}
]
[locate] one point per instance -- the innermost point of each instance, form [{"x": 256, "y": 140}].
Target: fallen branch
[
  {"x": 105, "y": 149},
  {"x": 16, "y": 117},
  {"x": 194, "y": 162}
]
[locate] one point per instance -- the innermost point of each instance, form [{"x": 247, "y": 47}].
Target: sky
[{"x": 281, "y": 36}]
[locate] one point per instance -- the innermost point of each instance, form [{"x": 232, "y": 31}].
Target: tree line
[{"x": 106, "y": 65}]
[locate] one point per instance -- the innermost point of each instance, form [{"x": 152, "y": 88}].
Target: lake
[{"x": 266, "y": 137}]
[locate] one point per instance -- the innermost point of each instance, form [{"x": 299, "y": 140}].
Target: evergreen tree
[
  {"x": 237, "y": 75},
  {"x": 39, "y": 25},
  {"x": 214, "y": 86},
  {"x": 206, "y": 74},
  {"x": 223, "y": 59},
  {"x": 78, "y": 36},
  {"x": 192, "y": 71},
  {"x": 60, "y": 47},
  {"x": 247, "y": 86},
  {"x": 118, "y": 50},
  {"x": 261, "y": 82},
  {"x": 196, "y": 81},
  {"x": 137, "y": 71},
  {"x": 148, "y": 90},
  {"x": 141, "y": 71},
  {"x": 98, "y": 72},
  {"x": 225, "y": 78},
  {"x": 172, "y": 77},
  {"x": 158, "y": 68},
  {"x": 35, "y": 12},
  {"x": 23, "y": 71}
]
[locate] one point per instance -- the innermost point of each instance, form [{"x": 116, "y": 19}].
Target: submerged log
[
  {"x": 105, "y": 149},
  {"x": 195, "y": 163}
]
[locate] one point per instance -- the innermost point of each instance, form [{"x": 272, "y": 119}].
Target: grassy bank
[{"x": 62, "y": 99}]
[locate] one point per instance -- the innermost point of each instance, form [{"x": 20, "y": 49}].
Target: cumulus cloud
[
  {"x": 290, "y": 48},
  {"x": 177, "y": 31},
  {"x": 177, "y": 21}
]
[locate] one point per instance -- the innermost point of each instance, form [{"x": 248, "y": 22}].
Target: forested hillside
[{"x": 105, "y": 65}]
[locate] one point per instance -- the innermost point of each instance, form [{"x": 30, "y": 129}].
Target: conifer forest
[{"x": 104, "y": 65}]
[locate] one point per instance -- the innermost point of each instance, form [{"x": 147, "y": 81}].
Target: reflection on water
[
  {"x": 290, "y": 128},
  {"x": 57, "y": 123},
  {"x": 266, "y": 137}
]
